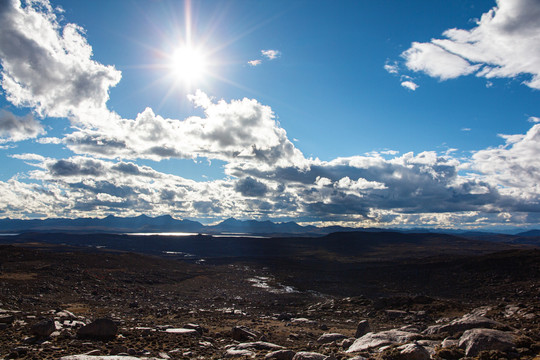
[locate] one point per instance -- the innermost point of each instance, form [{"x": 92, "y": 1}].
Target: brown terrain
[{"x": 440, "y": 298}]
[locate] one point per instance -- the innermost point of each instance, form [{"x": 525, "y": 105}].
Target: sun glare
[{"x": 188, "y": 64}]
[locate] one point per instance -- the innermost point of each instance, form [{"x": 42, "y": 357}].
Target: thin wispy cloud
[{"x": 255, "y": 62}]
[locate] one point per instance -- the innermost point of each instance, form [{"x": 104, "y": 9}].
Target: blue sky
[{"x": 417, "y": 113}]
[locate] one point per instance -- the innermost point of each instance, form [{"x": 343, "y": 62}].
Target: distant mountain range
[{"x": 166, "y": 223}]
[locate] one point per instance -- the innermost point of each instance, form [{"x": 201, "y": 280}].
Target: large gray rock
[
  {"x": 362, "y": 329},
  {"x": 330, "y": 337},
  {"x": 476, "y": 340},
  {"x": 43, "y": 328},
  {"x": 467, "y": 322},
  {"x": 280, "y": 355},
  {"x": 99, "y": 329},
  {"x": 413, "y": 352},
  {"x": 306, "y": 355},
  {"x": 375, "y": 340}
]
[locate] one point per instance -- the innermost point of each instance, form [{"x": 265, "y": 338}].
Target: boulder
[
  {"x": 475, "y": 340},
  {"x": 330, "y": 337},
  {"x": 99, "y": 329},
  {"x": 413, "y": 352},
  {"x": 43, "y": 328},
  {"x": 374, "y": 340},
  {"x": 280, "y": 355},
  {"x": 362, "y": 329},
  {"x": 467, "y": 322}
]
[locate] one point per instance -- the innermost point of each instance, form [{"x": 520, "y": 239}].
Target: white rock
[
  {"x": 182, "y": 331},
  {"x": 374, "y": 340}
]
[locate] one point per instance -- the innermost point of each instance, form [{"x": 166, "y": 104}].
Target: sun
[{"x": 188, "y": 64}]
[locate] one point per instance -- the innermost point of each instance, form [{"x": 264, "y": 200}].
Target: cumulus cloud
[
  {"x": 235, "y": 131},
  {"x": 48, "y": 66},
  {"x": 255, "y": 62},
  {"x": 251, "y": 187},
  {"x": 513, "y": 167},
  {"x": 17, "y": 128},
  {"x": 503, "y": 44},
  {"x": 409, "y": 85},
  {"x": 271, "y": 54}
]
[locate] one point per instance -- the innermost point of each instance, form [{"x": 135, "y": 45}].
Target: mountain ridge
[{"x": 166, "y": 223}]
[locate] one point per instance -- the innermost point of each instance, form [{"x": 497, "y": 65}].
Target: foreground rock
[
  {"x": 375, "y": 340},
  {"x": 101, "y": 329},
  {"x": 476, "y": 340}
]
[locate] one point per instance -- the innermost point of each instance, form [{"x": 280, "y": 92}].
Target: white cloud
[
  {"x": 271, "y": 54},
  {"x": 513, "y": 167},
  {"x": 48, "y": 67},
  {"x": 17, "y": 128},
  {"x": 533, "y": 119},
  {"x": 409, "y": 85},
  {"x": 236, "y": 131},
  {"x": 503, "y": 44},
  {"x": 466, "y": 129},
  {"x": 255, "y": 62}
]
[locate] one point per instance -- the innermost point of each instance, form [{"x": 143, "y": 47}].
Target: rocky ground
[{"x": 59, "y": 302}]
